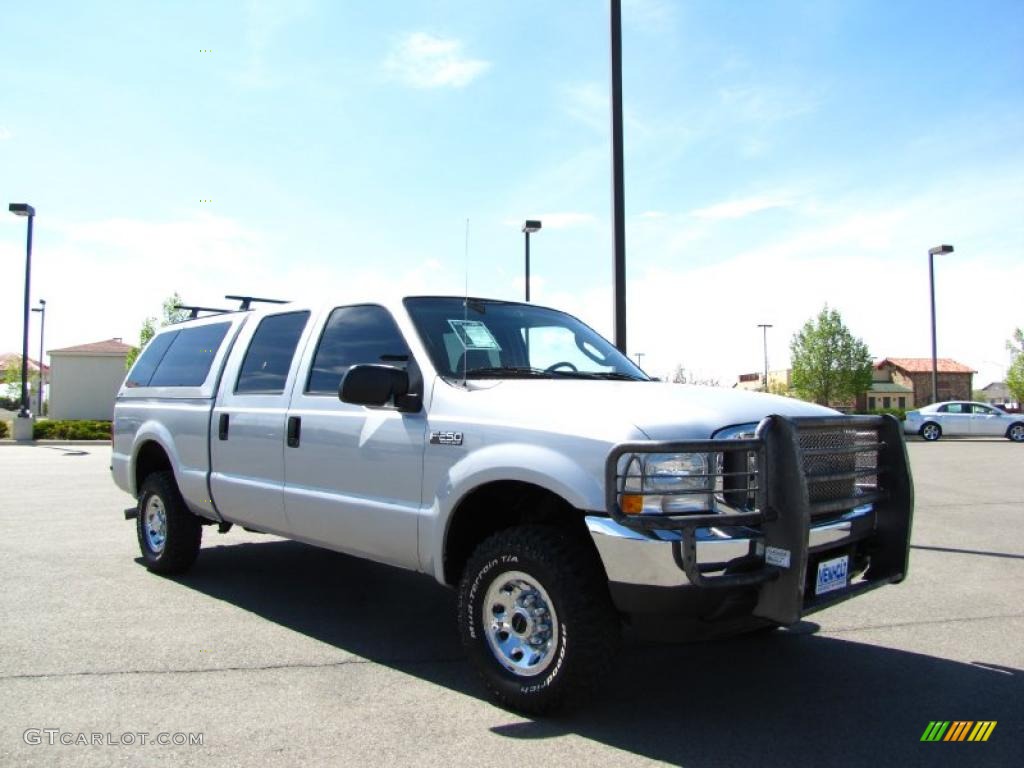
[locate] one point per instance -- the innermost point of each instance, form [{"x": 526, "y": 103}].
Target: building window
[
  {"x": 886, "y": 402},
  {"x": 871, "y": 403},
  {"x": 903, "y": 402}
]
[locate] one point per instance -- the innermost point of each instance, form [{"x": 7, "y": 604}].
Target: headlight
[{"x": 659, "y": 483}]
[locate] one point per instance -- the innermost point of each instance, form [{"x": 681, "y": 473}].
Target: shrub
[
  {"x": 899, "y": 413},
  {"x": 72, "y": 429},
  {"x": 3, "y": 429}
]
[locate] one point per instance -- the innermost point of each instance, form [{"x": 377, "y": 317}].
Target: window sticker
[{"x": 474, "y": 334}]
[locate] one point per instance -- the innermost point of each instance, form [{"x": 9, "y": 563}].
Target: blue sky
[{"x": 778, "y": 156}]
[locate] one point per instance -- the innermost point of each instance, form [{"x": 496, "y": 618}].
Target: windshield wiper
[
  {"x": 616, "y": 375},
  {"x": 509, "y": 372},
  {"x": 515, "y": 371}
]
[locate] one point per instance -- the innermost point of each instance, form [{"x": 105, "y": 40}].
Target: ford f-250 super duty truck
[{"x": 515, "y": 455}]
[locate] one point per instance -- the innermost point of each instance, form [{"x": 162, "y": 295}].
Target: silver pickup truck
[{"x": 515, "y": 455}]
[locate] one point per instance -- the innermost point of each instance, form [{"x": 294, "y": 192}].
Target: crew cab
[{"x": 513, "y": 454}]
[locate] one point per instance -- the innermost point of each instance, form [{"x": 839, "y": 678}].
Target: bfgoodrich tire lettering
[
  {"x": 169, "y": 535},
  {"x": 575, "y": 636}
]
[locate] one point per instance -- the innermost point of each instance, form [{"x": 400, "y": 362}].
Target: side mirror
[{"x": 373, "y": 385}]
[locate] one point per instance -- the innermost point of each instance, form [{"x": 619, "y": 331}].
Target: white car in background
[{"x": 964, "y": 418}]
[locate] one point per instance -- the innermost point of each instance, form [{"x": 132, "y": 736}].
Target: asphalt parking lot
[{"x": 278, "y": 653}]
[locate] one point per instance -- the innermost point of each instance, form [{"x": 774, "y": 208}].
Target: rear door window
[
  {"x": 269, "y": 357},
  {"x": 186, "y": 363}
]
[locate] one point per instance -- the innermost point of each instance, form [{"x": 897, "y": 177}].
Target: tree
[
  {"x": 829, "y": 364},
  {"x": 149, "y": 325},
  {"x": 1015, "y": 376},
  {"x": 10, "y": 383},
  {"x": 682, "y": 376}
]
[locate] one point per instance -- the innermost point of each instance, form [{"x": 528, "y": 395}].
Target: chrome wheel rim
[
  {"x": 154, "y": 524},
  {"x": 930, "y": 432},
  {"x": 520, "y": 623},
  {"x": 1017, "y": 433}
]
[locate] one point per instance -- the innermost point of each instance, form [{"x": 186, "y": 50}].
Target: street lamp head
[
  {"x": 531, "y": 226},
  {"x": 940, "y": 249},
  {"x": 21, "y": 209}
]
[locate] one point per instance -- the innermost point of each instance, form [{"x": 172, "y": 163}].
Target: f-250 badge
[{"x": 446, "y": 438}]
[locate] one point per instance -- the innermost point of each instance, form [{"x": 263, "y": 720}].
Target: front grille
[{"x": 840, "y": 465}]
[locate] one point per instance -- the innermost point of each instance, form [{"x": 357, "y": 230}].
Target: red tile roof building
[{"x": 955, "y": 380}]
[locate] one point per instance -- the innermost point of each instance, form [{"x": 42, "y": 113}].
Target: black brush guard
[{"x": 786, "y": 471}]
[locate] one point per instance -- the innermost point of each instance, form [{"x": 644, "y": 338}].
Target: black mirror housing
[{"x": 373, "y": 385}]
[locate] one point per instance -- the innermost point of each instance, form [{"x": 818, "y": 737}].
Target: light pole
[
  {"x": 764, "y": 327},
  {"x": 529, "y": 227},
  {"x": 618, "y": 184},
  {"x": 931, "y": 285},
  {"x": 41, "y": 309},
  {"x": 24, "y": 209}
]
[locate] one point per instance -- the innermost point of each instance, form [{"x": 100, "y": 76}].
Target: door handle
[
  {"x": 222, "y": 427},
  {"x": 294, "y": 430}
]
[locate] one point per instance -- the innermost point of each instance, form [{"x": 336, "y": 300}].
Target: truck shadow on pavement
[{"x": 781, "y": 699}]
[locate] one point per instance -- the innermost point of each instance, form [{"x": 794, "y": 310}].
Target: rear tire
[
  {"x": 169, "y": 535},
  {"x": 931, "y": 431},
  {"x": 1016, "y": 433},
  {"x": 535, "y": 618}
]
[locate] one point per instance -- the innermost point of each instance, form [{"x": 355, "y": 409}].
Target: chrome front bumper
[{"x": 630, "y": 557}]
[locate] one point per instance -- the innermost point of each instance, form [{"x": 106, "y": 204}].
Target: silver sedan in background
[{"x": 957, "y": 417}]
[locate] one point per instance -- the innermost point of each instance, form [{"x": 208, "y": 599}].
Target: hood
[{"x": 618, "y": 409}]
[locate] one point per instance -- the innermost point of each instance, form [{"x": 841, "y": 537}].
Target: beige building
[
  {"x": 84, "y": 379},
  {"x": 779, "y": 382}
]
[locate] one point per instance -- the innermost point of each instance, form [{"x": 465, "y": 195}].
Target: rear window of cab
[{"x": 179, "y": 358}]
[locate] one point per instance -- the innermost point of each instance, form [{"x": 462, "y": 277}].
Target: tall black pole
[
  {"x": 618, "y": 193},
  {"x": 765, "y": 327},
  {"x": 24, "y": 412},
  {"x": 528, "y": 265},
  {"x": 41, "y": 309},
  {"x": 935, "y": 360}
]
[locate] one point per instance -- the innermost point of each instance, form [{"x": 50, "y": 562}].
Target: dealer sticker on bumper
[{"x": 832, "y": 575}]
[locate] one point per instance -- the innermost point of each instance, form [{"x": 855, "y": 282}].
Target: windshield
[{"x": 479, "y": 338}]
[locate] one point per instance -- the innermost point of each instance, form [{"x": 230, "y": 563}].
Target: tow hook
[{"x": 131, "y": 513}]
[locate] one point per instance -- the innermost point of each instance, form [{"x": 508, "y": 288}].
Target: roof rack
[
  {"x": 247, "y": 300},
  {"x": 194, "y": 310}
]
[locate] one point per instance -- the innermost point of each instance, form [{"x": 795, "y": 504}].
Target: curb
[{"x": 8, "y": 441}]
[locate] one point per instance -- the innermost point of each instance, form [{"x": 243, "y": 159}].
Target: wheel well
[
  {"x": 151, "y": 458},
  {"x": 499, "y": 505}
]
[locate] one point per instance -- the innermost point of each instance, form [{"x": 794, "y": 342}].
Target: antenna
[{"x": 465, "y": 312}]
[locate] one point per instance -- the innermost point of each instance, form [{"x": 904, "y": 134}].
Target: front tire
[
  {"x": 931, "y": 431},
  {"x": 535, "y": 618},
  {"x": 1016, "y": 433},
  {"x": 169, "y": 535}
]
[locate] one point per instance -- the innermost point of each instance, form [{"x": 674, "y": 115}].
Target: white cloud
[
  {"x": 422, "y": 60},
  {"x": 739, "y": 208},
  {"x": 265, "y": 22},
  {"x": 765, "y": 104}
]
